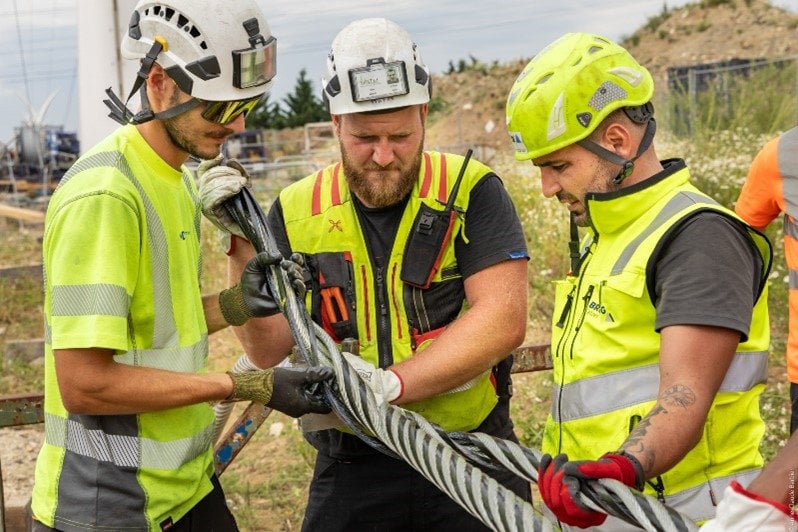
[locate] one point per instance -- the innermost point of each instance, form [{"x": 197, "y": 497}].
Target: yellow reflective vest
[
  {"x": 352, "y": 298},
  {"x": 606, "y": 350}
]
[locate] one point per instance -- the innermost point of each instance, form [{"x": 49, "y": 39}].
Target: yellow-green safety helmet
[{"x": 568, "y": 89}]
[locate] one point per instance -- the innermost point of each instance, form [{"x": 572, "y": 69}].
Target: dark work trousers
[
  {"x": 211, "y": 514},
  {"x": 357, "y": 489},
  {"x": 383, "y": 494},
  {"x": 794, "y": 401}
]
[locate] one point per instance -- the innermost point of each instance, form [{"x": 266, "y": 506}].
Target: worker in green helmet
[{"x": 660, "y": 330}]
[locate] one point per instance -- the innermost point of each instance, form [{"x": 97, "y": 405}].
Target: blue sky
[{"x": 39, "y": 39}]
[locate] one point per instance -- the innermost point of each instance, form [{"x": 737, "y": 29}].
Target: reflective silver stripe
[
  {"x": 790, "y": 228},
  {"x": 587, "y": 397},
  {"x": 793, "y": 276},
  {"x": 748, "y": 368},
  {"x": 787, "y": 154},
  {"x": 90, "y": 300},
  {"x": 466, "y": 385},
  {"x": 675, "y": 205},
  {"x": 124, "y": 451},
  {"x": 188, "y": 359},
  {"x": 697, "y": 503},
  {"x": 188, "y": 180},
  {"x": 164, "y": 324}
]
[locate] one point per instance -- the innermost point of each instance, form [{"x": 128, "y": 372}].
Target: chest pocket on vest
[
  {"x": 333, "y": 294},
  {"x": 617, "y": 299}
]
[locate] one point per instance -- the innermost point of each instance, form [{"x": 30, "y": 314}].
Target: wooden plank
[
  {"x": 16, "y": 272},
  {"x": 18, "y": 213},
  {"x": 531, "y": 357}
]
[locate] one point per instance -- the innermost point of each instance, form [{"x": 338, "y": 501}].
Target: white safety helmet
[
  {"x": 374, "y": 65},
  {"x": 215, "y": 51}
]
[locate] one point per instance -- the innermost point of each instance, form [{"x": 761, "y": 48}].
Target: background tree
[
  {"x": 266, "y": 115},
  {"x": 302, "y": 105}
]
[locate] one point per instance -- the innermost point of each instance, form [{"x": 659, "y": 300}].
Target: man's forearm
[{"x": 667, "y": 433}]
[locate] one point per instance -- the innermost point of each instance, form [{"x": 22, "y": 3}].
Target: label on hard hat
[{"x": 378, "y": 80}]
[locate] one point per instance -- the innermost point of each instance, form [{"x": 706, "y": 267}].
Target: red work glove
[{"x": 560, "y": 482}]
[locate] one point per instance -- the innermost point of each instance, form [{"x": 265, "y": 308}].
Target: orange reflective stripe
[
  {"x": 395, "y": 301},
  {"x": 367, "y": 317},
  {"x": 442, "y": 196},
  {"x": 427, "y": 182},
  {"x": 335, "y": 193},
  {"x": 316, "y": 200}
]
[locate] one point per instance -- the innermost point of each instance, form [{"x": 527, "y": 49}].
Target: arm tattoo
[
  {"x": 677, "y": 396},
  {"x": 634, "y": 442}
]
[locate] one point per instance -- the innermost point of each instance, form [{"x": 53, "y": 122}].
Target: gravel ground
[{"x": 18, "y": 449}]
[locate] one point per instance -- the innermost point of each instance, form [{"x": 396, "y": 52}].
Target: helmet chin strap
[
  {"x": 119, "y": 109},
  {"x": 627, "y": 165}
]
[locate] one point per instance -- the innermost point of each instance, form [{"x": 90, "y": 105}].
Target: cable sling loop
[{"x": 451, "y": 461}]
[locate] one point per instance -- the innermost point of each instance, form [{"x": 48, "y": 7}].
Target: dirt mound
[{"x": 704, "y": 32}]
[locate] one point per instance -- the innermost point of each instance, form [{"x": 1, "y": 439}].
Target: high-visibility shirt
[
  {"x": 122, "y": 267},
  {"x": 606, "y": 350},
  {"x": 770, "y": 189}
]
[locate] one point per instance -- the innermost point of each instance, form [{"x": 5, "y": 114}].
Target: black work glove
[
  {"x": 252, "y": 297},
  {"x": 294, "y": 391},
  {"x": 295, "y": 268}
]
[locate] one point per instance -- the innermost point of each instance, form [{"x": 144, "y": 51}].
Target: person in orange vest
[{"x": 770, "y": 189}]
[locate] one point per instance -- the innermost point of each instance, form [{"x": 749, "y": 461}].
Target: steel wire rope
[
  {"x": 448, "y": 460},
  {"x": 606, "y": 495},
  {"x": 401, "y": 432}
]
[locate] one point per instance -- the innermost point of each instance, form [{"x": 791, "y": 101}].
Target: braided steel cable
[
  {"x": 401, "y": 432},
  {"x": 605, "y": 495},
  {"x": 445, "y": 459}
]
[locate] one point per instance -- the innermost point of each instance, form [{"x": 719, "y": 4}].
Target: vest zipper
[
  {"x": 583, "y": 264},
  {"x": 566, "y": 308},
  {"x": 578, "y": 326},
  {"x": 385, "y": 354},
  {"x": 656, "y": 484},
  {"x": 567, "y": 318}
]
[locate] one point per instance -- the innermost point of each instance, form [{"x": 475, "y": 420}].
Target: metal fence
[{"x": 757, "y": 94}]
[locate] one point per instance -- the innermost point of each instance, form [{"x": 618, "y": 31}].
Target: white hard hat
[
  {"x": 373, "y": 65},
  {"x": 215, "y": 51}
]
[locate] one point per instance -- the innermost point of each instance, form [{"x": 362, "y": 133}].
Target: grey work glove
[
  {"x": 252, "y": 297},
  {"x": 293, "y": 391},
  {"x": 217, "y": 183}
]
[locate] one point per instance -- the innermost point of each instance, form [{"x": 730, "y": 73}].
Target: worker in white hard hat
[
  {"x": 128, "y": 423},
  {"x": 420, "y": 257}
]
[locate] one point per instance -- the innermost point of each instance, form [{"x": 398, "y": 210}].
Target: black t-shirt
[
  {"x": 708, "y": 274},
  {"x": 492, "y": 228},
  {"x": 494, "y": 234}
]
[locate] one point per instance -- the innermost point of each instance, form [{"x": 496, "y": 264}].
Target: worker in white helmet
[
  {"x": 417, "y": 255},
  {"x": 128, "y": 423}
]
